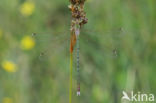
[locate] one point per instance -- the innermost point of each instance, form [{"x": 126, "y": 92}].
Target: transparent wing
[
  {"x": 48, "y": 44},
  {"x": 107, "y": 43}
]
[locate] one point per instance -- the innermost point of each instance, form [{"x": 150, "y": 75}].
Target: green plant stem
[{"x": 70, "y": 83}]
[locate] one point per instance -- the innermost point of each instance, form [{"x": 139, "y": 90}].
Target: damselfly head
[{"x": 77, "y": 32}]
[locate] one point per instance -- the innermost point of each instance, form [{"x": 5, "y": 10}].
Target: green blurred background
[{"x": 26, "y": 76}]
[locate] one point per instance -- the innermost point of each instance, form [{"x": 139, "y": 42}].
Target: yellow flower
[
  {"x": 9, "y": 66},
  {"x": 1, "y": 33},
  {"x": 27, "y": 43},
  {"x": 7, "y": 100},
  {"x": 27, "y": 8}
]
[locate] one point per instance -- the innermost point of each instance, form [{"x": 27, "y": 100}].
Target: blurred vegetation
[{"x": 24, "y": 78}]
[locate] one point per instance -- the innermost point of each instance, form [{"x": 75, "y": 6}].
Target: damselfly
[{"x": 107, "y": 43}]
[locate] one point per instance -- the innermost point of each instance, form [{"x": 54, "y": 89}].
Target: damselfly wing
[
  {"x": 50, "y": 43},
  {"x": 107, "y": 42}
]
